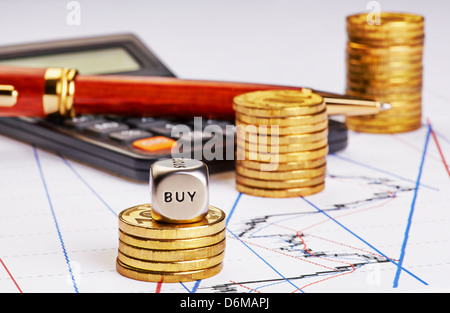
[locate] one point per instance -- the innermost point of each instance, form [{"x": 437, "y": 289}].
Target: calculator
[{"x": 125, "y": 146}]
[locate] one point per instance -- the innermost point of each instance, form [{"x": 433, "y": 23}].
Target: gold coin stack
[
  {"x": 282, "y": 143},
  {"x": 384, "y": 62},
  {"x": 168, "y": 252}
]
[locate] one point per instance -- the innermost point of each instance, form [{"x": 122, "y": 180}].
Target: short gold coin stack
[
  {"x": 168, "y": 252},
  {"x": 384, "y": 61},
  {"x": 282, "y": 143}
]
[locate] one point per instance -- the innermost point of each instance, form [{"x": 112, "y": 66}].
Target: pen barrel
[
  {"x": 159, "y": 96},
  {"x": 21, "y": 91}
]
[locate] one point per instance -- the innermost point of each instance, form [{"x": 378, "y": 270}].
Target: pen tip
[{"x": 385, "y": 106}]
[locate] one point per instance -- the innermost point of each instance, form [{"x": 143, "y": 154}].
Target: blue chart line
[
  {"x": 232, "y": 209},
  {"x": 411, "y": 212},
  {"x": 194, "y": 289},
  {"x": 197, "y": 283},
  {"x": 364, "y": 241},
  {"x": 36, "y": 156},
  {"x": 260, "y": 257},
  {"x": 87, "y": 185}
]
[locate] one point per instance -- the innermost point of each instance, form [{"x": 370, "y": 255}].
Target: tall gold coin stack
[
  {"x": 168, "y": 252},
  {"x": 385, "y": 62},
  {"x": 282, "y": 143}
]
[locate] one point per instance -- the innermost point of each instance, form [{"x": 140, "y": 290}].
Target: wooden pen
[{"x": 39, "y": 92}]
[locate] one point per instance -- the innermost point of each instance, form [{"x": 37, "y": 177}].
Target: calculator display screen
[{"x": 98, "y": 61}]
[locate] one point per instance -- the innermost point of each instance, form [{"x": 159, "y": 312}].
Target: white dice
[{"x": 179, "y": 190}]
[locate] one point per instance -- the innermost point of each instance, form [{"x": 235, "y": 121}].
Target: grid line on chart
[
  {"x": 265, "y": 261},
  {"x": 411, "y": 212},
  {"x": 253, "y": 251},
  {"x": 55, "y": 220},
  {"x": 86, "y": 184},
  {"x": 364, "y": 241}
]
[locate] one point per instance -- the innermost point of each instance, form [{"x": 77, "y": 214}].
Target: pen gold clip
[
  {"x": 59, "y": 91},
  {"x": 8, "y": 96}
]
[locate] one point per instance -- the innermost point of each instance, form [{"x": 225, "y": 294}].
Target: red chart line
[
  {"x": 328, "y": 259},
  {"x": 158, "y": 287},
  {"x": 433, "y": 134},
  {"x": 10, "y": 275}
]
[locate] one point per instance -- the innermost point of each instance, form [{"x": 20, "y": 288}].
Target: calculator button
[
  {"x": 167, "y": 129},
  {"x": 141, "y": 122},
  {"x": 154, "y": 144},
  {"x": 105, "y": 128},
  {"x": 206, "y": 122},
  {"x": 83, "y": 121},
  {"x": 196, "y": 135},
  {"x": 129, "y": 135}
]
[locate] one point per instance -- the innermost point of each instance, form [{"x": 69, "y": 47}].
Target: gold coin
[
  {"x": 180, "y": 266},
  {"x": 279, "y": 184},
  {"x": 283, "y": 112},
  {"x": 167, "y": 277},
  {"x": 391, "y": 50},
  {"x": 280, "y": 193},
  {"x": 172, "y": 255},
  {"x": 286, "y": 157},
  {"x": 287, "y": 166},
  {"x": 379, "y": 92},
  {"x": 389, "y": 21},
  {"x": 389, "y": 119},
  {"x": 386, "y": 39},
  {"x": 396, "y": 111},
  {"x": 286, "y": 121},
  {"x": 282, "y": 175},
  {"x": 411, "y": 97},
  {"x": 279, "y": 103},
  {"x": 384, "y": 74},
  {"x": 384, "y": 68},
  {"x": 137, "y": 221},
  {"x": 363, "y": 76},
  {"x": 378, "y": 39},
  {"x": 391, "y": 83},
  {"x": 393, "y": 56},
  {"x": 273, "y": 130},
  {"x": 361, "y": 59},
  {"x": 390, "y": 129},
  {"x": 394, "y": 122},
  {"x": 272, "y": 147},
  {"x": 278, "y": 99},
  {"x": 171, "y": 244},
  {"x": 395, "y": 64},
  {"x": 386, "y": 122},
  {"x": 284, "y": 140}
]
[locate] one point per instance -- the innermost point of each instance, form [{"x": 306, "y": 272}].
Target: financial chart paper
[{"x": 381, "y": 224}]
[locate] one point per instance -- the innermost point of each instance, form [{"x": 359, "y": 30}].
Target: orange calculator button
[{"x": 157, "y": 143}]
